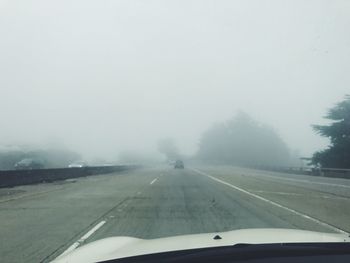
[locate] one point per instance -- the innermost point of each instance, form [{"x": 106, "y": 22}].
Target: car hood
[{"x": 120, "y": 247}]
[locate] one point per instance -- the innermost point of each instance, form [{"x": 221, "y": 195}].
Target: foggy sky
[{"x": 104, "y": 76}]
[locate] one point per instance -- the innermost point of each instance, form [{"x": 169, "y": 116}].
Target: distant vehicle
[
  {"x": 29, "y": 164},
  {"x": 179, "y": 164},
  {"x": 77, "y": 165}
]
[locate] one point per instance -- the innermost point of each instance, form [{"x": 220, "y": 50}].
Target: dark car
[{"x": 179, "y": 164}]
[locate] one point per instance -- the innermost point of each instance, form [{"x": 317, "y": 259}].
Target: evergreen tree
[{"x": 338, "y": 153}]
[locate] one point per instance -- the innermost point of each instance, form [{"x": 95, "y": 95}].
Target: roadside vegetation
[
  {"x": 243, "y": 141},
  {"x": 337, "y": 155},
  {"x": 10, "y": 157}
]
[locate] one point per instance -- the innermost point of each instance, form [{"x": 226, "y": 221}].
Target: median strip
[{"x": 272, "y": 203}]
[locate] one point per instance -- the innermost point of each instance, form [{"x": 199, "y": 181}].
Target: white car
[
  {"x": 257, "y": 245},
  {"x": 77, "y": 165}
]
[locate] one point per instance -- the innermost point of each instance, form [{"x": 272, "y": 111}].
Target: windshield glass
[{"x": 153, "y": 119}]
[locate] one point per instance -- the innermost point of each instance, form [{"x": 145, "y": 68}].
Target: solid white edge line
[
  {"x": 273, "y": 203},
  {"x": 83, "y": 238},
  {"x": 154, "y": 180}
]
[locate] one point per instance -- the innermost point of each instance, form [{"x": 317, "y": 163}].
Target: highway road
[{"x": 40, "y": 222}]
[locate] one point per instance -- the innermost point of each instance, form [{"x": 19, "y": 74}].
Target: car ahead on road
[
  {"x": 246, "y": 245},
  {"x": 179, "y": 164},
  {"x": 77, "y": 165}
]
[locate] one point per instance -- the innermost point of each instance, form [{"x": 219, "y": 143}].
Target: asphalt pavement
[{"x": 40, "y": 222}]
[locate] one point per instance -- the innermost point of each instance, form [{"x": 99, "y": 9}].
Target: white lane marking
[
  {"x": 70, "y": 249},
  {"x": 83, "y": 238},
  {"x": 277, "y": 193},
  {"x": 153, "y": 181},
  {"x": 273, "y": 203},
  {"x": 93, "y": 230},
  {"x": 300, "y": 180}
]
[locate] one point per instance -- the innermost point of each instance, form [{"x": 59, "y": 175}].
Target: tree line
[
  {"x": 337, "y": 155},
  {"x": 243, "y": 141},
  {"x": 49, "y": 158}
]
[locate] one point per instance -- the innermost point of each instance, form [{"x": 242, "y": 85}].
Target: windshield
[{"x": 152, "y": 119}]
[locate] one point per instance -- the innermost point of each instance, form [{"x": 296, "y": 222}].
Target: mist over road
[{"x": 40, "y": 222}]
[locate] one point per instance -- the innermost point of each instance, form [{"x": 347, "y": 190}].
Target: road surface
[{"x": 40, "y": 222}]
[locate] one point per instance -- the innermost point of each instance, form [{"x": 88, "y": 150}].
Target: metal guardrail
[
  {"x": 332, "y": 172},
  {"x": 12, "y": 178},
  {"x": 325, "y": 172}
]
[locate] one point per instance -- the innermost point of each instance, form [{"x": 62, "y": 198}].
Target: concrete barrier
[{"x": 24, "y": 177}]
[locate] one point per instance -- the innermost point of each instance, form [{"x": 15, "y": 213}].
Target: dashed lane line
[
  {"x": 83, "y": 238},
  {"x": 153, "y": 181}
]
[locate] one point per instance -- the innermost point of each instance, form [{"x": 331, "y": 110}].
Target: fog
[{"x": 102, "y": 78}]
